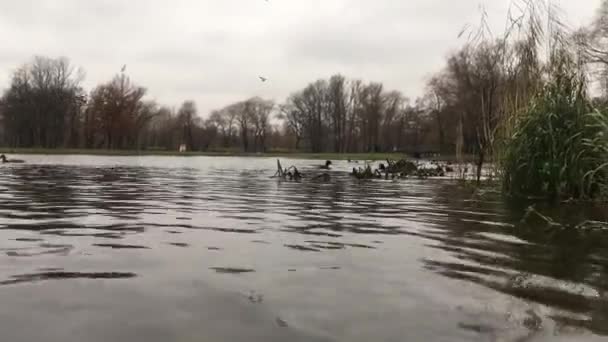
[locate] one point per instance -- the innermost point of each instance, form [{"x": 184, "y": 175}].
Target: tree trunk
[
  {"x": 480, "y": 161},
  {"x": 245, "y": 142}
]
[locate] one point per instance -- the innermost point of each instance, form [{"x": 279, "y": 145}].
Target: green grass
[{"x": 559, "y": 149}]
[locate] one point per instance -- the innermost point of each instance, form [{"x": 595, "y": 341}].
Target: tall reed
[{"x": 559, "y": 146}]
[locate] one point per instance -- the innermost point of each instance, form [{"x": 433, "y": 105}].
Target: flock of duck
[{"x": 391, "y": 170}]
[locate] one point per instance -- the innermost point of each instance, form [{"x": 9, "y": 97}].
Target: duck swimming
[
  {"x": 3, "y": 159},
  {"x": 327, "y": 165}
]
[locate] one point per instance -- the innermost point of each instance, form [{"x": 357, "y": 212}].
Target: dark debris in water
[
  {"x": 58, "y": 250},
  {"x": 312, "y": 233},
  {"x": 318, "y": 246},
  {"x": 36, "y": 277},
  {"x": 29, "y": 240},
  {"x": 179, "y": 244},
  {"x": 478, "y": 328},
  {"x": 118, "y": 246},
  {"x": 303, "y": 248},
  {"x": 232, "y": 270},
  {"x": 234, "y": 230},
  {"x": 50, "y": 245},
  {"x": 327, "y": 246},
  {"x": 338, "y": 245},
  {"x": 192, "y": 227},
  {"x": 102, "y": 235}
]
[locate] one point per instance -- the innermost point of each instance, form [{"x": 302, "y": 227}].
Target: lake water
[{"x": 212, "y": 249}]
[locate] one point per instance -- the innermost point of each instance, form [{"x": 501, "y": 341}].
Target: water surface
[{"x": 213, "y": 249}]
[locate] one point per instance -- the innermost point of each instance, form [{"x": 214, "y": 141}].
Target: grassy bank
[{"x": 296, "y": 155}]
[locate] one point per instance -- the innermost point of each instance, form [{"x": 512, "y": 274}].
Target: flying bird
[
  {"x": 124, "y": 68},
  {"x": 263, "y": 79}
]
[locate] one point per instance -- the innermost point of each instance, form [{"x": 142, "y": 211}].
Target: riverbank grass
[{"x": 559, "y": 149}]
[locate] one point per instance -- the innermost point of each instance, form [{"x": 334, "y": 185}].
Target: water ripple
[{"x": 171, "y": 219}]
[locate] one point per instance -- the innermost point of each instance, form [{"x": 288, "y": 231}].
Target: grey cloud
[{"x": 213, "y": 50}]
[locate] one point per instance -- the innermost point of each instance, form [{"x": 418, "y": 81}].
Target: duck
[
  {"x": 327, "y": 165},
  {"x": 14, "y": 161}
]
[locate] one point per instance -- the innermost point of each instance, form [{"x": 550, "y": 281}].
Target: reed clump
[{"x": 558, "y": 149}]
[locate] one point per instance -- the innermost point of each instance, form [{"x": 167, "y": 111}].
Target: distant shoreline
[{"x": 293, "y": 155}]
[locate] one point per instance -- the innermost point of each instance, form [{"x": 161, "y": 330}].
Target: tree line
[
  {"x": 46, "y": 106},
  {"x": 467, "y": 106}
]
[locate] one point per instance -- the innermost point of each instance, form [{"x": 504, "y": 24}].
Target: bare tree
[
  {"x": 118, "y": 113},
  {"x": 217, "y": 120},
  {"x": 242, "y": 111},
  {"x": 436, "y": 100},
  {"x": 337, "y": 102},
  {"x": 162, "y": 132},
  {"x": 43, "y": 104},
  {"x": 294, "y": 119},
  {"x": 390, "y": 120},
  {"x": 353, "y": 110},
  {"x": 372, "y": 103},
  {"x": 186, "y": 117},
  {"x": 260, "y": 115}
]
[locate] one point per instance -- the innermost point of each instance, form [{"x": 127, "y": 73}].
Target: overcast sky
[{"x": 212, "y": 51}]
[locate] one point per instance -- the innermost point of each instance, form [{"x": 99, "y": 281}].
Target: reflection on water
[
  {"x": 232, "y": 270},
  {"x": 179, "y": 242},
  {"x": 30, "y": 278}
]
